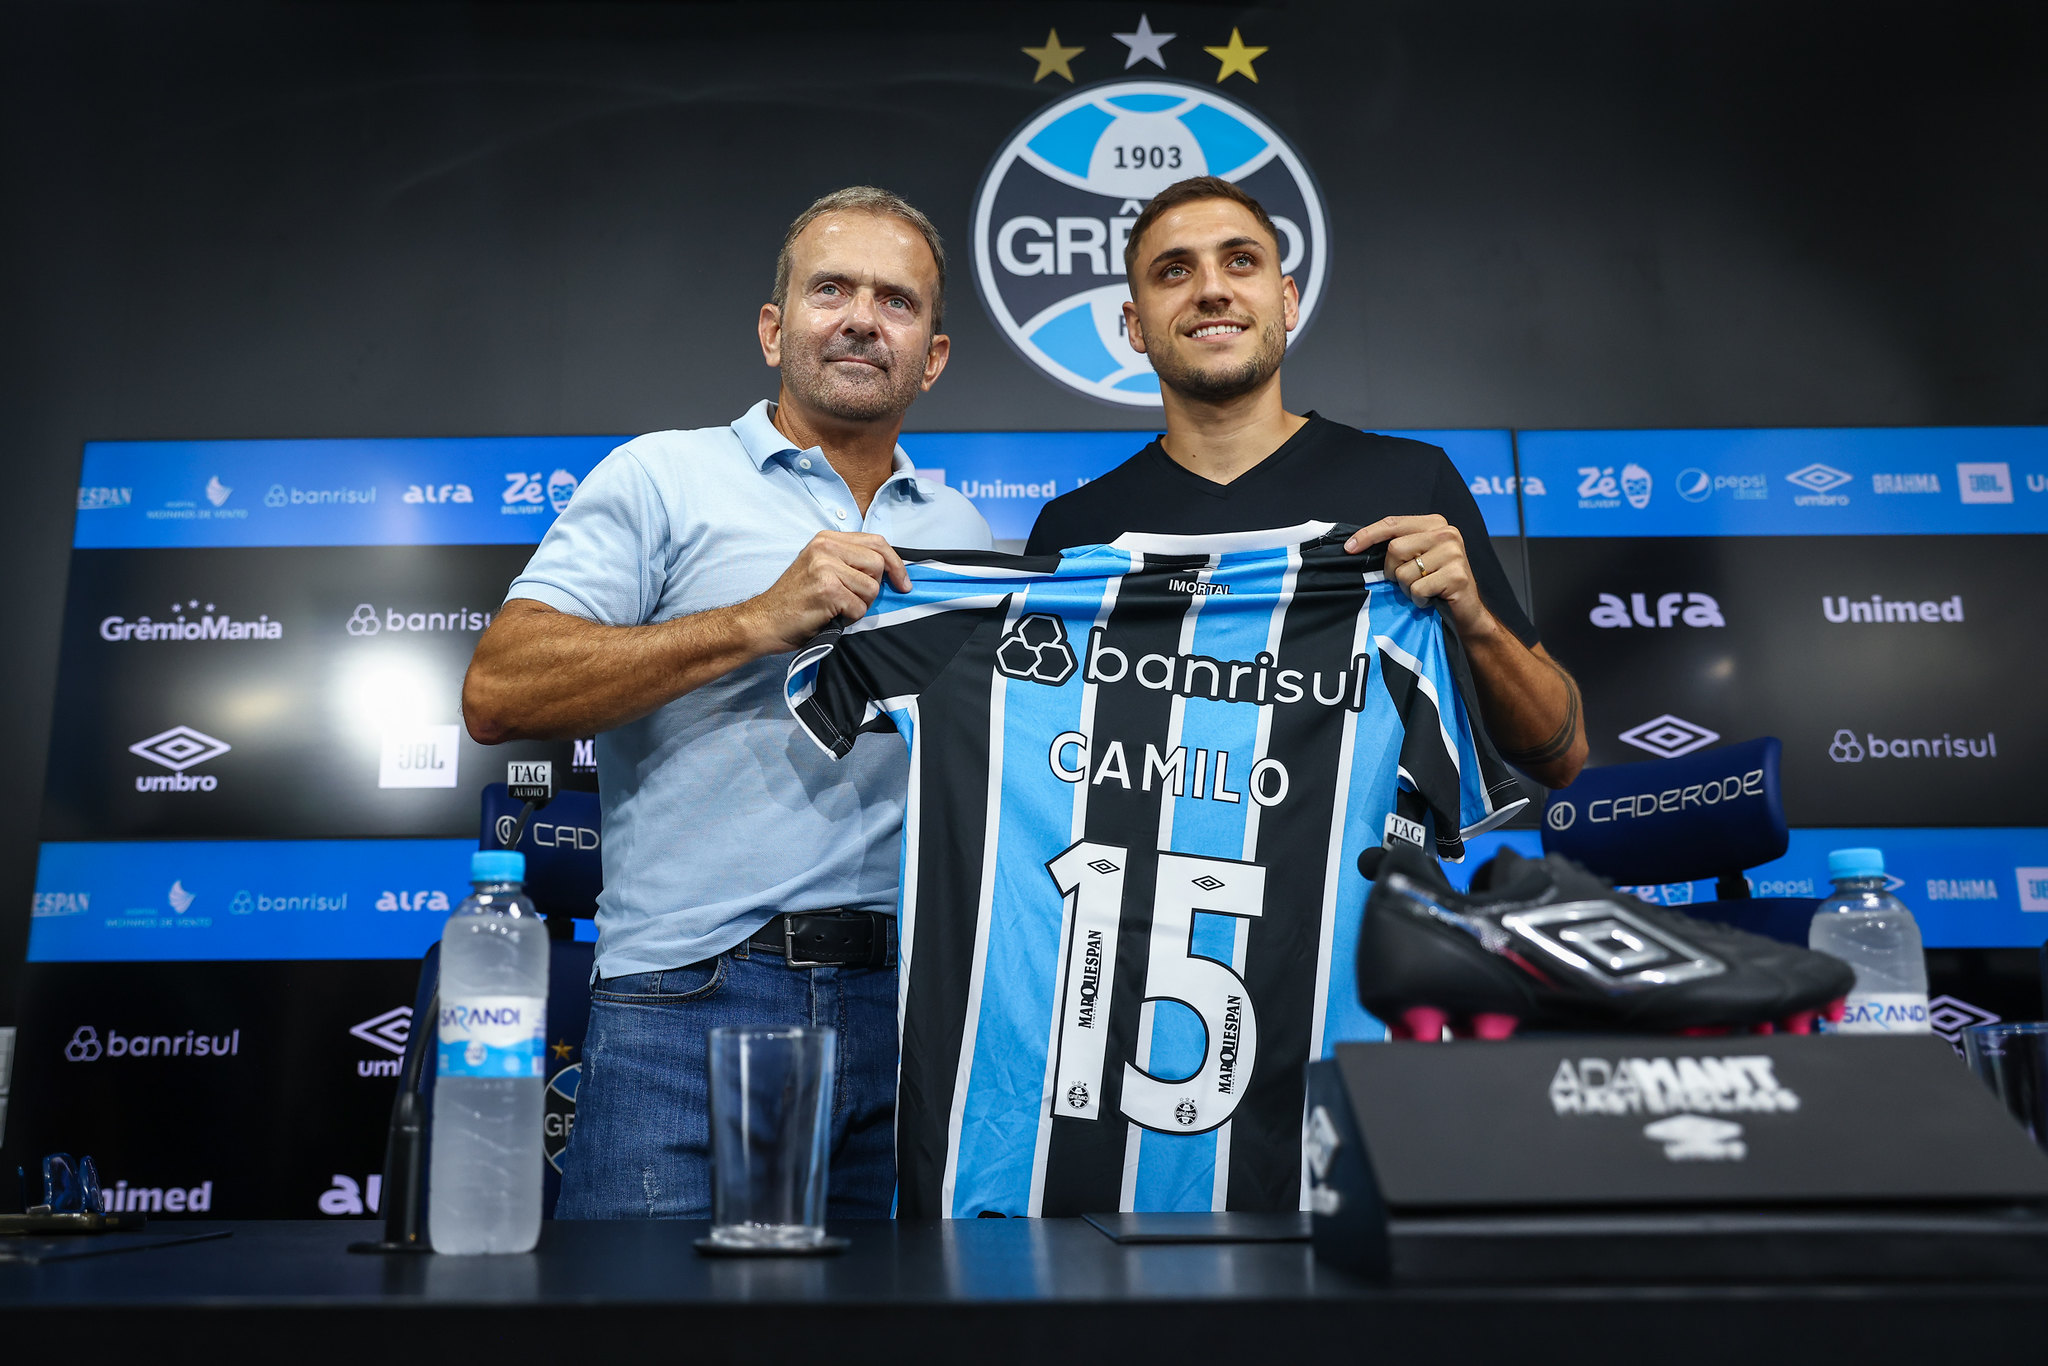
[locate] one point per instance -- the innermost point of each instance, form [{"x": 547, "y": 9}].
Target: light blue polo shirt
[{"x": 718, "y": 811}]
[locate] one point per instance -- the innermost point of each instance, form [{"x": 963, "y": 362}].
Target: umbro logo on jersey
[{"x": 1036, "y": 650}]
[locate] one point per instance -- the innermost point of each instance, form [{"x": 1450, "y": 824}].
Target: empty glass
[
  {"x": 771, "y": 1103},
  {"x": 2012, "y": 1059}
]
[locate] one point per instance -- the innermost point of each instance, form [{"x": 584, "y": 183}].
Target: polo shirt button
[{"x": 804, "y": 463}]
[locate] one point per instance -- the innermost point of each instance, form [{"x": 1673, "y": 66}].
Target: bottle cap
[
  {"x": 1856, "y": 863},
  {"x": 497, "y": 865}
]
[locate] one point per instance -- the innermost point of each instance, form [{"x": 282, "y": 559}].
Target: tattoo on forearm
[{"x": 1559, "y": 744}]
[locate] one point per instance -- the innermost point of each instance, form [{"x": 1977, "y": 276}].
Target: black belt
[{"x": 830, "y": 939}]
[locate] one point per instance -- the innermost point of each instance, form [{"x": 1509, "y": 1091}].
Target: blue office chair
[
  {"x": 564, "y": 874},
  {"x": 1713, "y": 814}
]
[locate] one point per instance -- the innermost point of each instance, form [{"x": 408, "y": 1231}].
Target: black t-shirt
[{"x": 1326, "y": 472}]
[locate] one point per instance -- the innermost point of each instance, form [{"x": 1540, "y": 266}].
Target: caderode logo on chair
[{"x": 1056, "y": 206}]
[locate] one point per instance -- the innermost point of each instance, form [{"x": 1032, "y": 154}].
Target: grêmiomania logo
[
  {"x": 1056, "y": 206},
  {"x": 203, "y": 624}
]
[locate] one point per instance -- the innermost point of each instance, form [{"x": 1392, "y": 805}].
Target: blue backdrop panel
[{"x": 1805, "y": 482}]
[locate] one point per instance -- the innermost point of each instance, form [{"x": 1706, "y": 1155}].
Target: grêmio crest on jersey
[{"x": 1141, "y": 776}]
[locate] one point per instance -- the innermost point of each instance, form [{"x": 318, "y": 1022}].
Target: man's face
[
  {"x": 854, "y": 336},
  {"x": 1209, "y": 304}
]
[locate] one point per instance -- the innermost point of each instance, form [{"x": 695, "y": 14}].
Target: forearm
[
  {"x": 1529, "y": 703},
  {"x": 539, "y": 674}
]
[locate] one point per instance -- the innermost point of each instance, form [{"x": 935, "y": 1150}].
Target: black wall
[{"x": 234, "y": 220}]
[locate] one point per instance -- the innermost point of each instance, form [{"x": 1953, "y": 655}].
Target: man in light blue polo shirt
[{"x": 749, "y": 880}]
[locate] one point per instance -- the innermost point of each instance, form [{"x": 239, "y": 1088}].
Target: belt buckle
[{"x": 789, "y": 958}]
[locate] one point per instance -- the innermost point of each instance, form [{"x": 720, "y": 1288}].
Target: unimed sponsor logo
[
  {"x": 123, "y": 1198},
  {"x": 1003, "y": 488},
  {"x": 1877, "y": 609}
]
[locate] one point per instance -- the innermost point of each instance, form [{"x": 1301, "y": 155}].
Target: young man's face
[
  {"x": 854, "y": 337},
  {"x": 1209, "y": 304}
]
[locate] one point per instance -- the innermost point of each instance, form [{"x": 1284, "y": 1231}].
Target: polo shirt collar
[{"x": 763, "y": 441}]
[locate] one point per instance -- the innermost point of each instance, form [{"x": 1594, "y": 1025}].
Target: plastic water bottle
[
  {"x": 484, "y": 1183},
  {"x": 1872, "y": 931}
]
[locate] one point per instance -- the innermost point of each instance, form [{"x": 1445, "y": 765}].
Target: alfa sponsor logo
[
  {"x": 1848, "y": 748},
  {"x": 1905, "y": 483},
  {"x": 1987, "y": 481},
  {"x": 1820, "y": 482},
  {"x": 369, "y": 620},
  {"x": 177, "y": 749},
  {"x": 1696, "y": 485},
  {"x": 1601, "y": 487},
  {"x": 1669, "y": 1085},
  {"x": 1672, "y": 609},
  {"x": 87, "y": 1045},
  {"x": 1876, "y": 609},
  {"x": 423, "y": 899},
  {"x": 1057, "y": 205},
  {"x": 203, "y": 624},
  {"x": 349, "y": 1197},
  {"x": 280, "y": 496},
  {"x": 1669, "y": 736},
  {"x": 438, "y": 493},
  {"x": 1506, "y": 485}
]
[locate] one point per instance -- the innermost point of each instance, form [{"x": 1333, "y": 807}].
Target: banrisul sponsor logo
[
  {"x": 1879, "y": 610},
  {"x": 178, "y": 749},
  {"x": 1853, "y": 747},
  {"x": 1057, "y": 203},
  {"x": 1670, "y": 609},
  {"x": 282, "y": 496},
  {"x": 190, "y": 622},
  {"x": 91, "y": 1043},
  {"x": 368, "y": 619}
]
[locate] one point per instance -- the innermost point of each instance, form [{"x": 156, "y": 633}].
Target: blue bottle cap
[
  {"x": 1856, "y": 863},
  {"x": 497, "y": 865}
]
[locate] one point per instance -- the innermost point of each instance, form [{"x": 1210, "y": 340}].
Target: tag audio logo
[
  {"x": 178, "y": 749},
  {"x": 1056, "y": 207}
]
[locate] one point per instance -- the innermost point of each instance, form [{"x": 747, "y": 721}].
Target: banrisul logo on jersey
[{"x": 1057, "y": 205}]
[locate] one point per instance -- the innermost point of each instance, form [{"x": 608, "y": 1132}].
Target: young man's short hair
[{"x": 1186, "y": 192}]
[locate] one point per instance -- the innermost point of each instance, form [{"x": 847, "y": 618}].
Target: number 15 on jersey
[{"x": 1091, "y": 877}]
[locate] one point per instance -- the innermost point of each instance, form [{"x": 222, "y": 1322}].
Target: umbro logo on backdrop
[{"x": 1669, "y": 736}]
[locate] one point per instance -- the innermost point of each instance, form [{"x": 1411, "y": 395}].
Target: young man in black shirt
[{"x": 1212, "y": 309}]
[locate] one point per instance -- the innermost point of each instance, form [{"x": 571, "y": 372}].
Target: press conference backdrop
[{"x": 260, "y": 798}]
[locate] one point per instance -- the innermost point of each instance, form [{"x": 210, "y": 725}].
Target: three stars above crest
[{"x": 1145, "y": 44}]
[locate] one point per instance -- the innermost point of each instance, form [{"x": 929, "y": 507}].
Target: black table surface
[{"x": 983, "y": 1291}]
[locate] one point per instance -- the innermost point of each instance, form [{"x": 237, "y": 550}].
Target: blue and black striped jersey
[{"x": 1141, "y": 777}]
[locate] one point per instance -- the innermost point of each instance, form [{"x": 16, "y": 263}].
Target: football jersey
[{"x": 1141, "y": 777}]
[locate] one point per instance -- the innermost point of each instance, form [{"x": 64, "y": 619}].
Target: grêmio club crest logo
[{"x": 1057, "y": 204}]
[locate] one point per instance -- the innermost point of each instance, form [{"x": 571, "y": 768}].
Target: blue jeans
[{"x": 641, "y": 1145}]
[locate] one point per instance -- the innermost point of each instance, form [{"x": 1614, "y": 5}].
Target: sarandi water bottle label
[
  {"x": 1883, "y": 1012},
  {"x": 495, "y": 1036}
]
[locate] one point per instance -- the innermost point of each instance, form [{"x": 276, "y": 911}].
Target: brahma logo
[{"x": 1057, "y": 204}]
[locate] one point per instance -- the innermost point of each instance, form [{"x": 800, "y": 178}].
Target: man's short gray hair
[{"x": 863, "y": 199}]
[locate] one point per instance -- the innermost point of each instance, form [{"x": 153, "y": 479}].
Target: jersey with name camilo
[{"x": 1141, "y": 777}]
